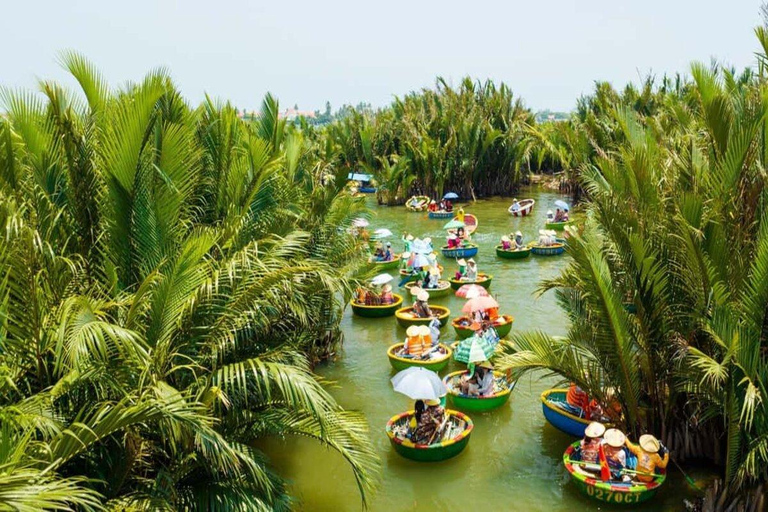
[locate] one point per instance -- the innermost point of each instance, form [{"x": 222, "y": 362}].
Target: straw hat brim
[
  {"x": 594, "y": 429},
  {"x": 649, "y": 443},
  {"x": 614, "y": 437}
]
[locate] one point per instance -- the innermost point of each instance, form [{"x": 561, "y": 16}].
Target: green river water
[{"x": 514, "y": 458}]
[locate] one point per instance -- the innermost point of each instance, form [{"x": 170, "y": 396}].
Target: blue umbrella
[
  {"x": 451, "y": 195},
  {"x": 562, "y": 205}
]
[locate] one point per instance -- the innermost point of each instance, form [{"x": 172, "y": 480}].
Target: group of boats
[{"x": 457, "y": 426}]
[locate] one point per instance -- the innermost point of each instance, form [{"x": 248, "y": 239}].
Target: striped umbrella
[{"x": 473, "y": 350}]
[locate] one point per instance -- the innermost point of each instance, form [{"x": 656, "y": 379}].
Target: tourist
[
  {"x": 448, "y": 205},
  {"x": 590, "y": 445},
  {"x": 433, "y": 205},
  {"x": 429, "y": 423},
  {"x": 558, "y": 215},
  {"x": 479, "y": 380},
  {"x": 544, "y": 238},
  {"x": 550, "y": 216},
  {"x": 386, "y": 296},
  {"x": 461, "y": 234},
  {"x": 407, "y": 239},
  {"x": 651, "y": 454},
  {"x": 388, "y": 253},
  {"x": 462, "y": 269},
  {"x": 471, "y": 270},
  {"x": 378, "y": 253},
  {"x": 518, "y": 241},
  {"x": 442, "y": 205},
  {"x": 419, "y": 408},
  {"x": 415, "y": 345},
  {"x": 453, "y": 241},
  {"x": 515, "y": 205},
  {"x": 613, "y": 445},
  {"x": 434, "y": 331},
  {"x": 506, "y": 244},
  {"x": 421, "y": 307},
  {"x": 433, "y": 279},
  {"x": 578, "y": 399}
]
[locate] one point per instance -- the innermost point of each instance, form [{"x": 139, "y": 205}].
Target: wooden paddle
[
  {"x": 596, "y": 467},
  {"x": 439, "y": 429}
]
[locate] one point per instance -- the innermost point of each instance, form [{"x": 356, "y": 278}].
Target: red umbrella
[
  {"x": 473, "y": 288},
  {"x": 479, "y": 304}
]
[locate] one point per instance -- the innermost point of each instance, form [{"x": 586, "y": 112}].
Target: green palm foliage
[
  {"x": 667, "y": 291},
  {"x": 167, "y": 277}
]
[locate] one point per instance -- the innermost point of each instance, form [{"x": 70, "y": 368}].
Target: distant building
[{"x": 292, "y": 114}]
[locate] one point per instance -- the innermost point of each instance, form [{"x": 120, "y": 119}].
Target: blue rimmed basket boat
[
  {"x": 466, "y": 251},
  {"x": 559, "y": 417},
  {"x": 548, "y": 250},
  {"x": 442, "y": 214}
]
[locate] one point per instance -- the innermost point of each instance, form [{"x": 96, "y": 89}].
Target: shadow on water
[{"x": 514, "y": 458}]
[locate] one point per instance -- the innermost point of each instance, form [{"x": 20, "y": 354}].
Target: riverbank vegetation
[
  {"x": 667, "y": 291},
  {"x": 167, "y": 275}
]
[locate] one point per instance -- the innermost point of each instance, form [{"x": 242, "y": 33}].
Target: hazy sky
[{"x": 307, "y": 52}]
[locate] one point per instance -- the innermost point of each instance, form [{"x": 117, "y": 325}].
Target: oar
[
  {"x": 592, "y": 465},
  {"x": 439, "y": 429},
  {"x": 688, "y": 479}
]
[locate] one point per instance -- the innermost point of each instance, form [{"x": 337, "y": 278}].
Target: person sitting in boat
[
  {"x": 462, "y": 235},
  {"x": 471, "y": 270},
  {"x": 448, "y": 205},
  {"x": 419, "y": 408},
  {"x": 518, "y": 241},
  {"x": 432, "y": 206},
  {"x": 490, "y": 333},
  {"x": 421, "y": 307},
  {"x": 506, "y": 243},
  {"x": 387, "y": 256},
  {"x": 558, "y": 215},
  {"x": 550, "y": 216},
  {"x": 515, "y": 205},
  {"x": 579, "y": 401},
  {"x": 434, "y": 331},
  {"x": 479, "y": 381},
  {"x": 453, "y": 241},
  {"x": 429, "y": 423},
  {"x": 462, "y": 263},
  {"x": 407, "y": 239},
  {"x": 442, "y": 205},
  {"x": 378, "y": 253},
  {"x": 433, "y": 279},
  {"x": 590, "y": 445},
  {"x": 415, "y": 344},
  {"x": 406, "y": 262},
  {"x": 651, "y": 454},
  {"x": 613, "y": 446},
  {"x": 386, "y": 296},
  {"x": 460, "y": 215}
]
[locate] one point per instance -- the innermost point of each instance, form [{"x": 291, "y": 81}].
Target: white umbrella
[
  {"x": 419, "y": 384},
  {"x": 562, "y": 205},
  {"x": 420, "y": 261},
  {"x": 420, "y": 247},
  {"x": 360, "y": 223},
  {"x": 382, "y": 233},
  {"x": 381, "y": 279}
]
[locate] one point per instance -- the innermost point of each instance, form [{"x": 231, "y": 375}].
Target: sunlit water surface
[{"x": 514, "y": 458}]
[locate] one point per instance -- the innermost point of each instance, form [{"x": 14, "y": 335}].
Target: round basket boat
[
  {"x": 470, "y": 223},
  {"x": 513, "y": 255},
  {"x": 483, "y": 280},
  {"x": 619, "y": 493},
  {"x": 376, "y": 311},
  {"x": 466, "y": 251},
  {"x": 559, "y": 226},
  {"x": 440, "y": 214},
  {"x": 417, "y": 203},
  {"x": 406, "y": 319},
  {"x": 525, "y": 208},
  {"x": 437, "y": 451},
  {"x": 386, "y": 265},
  {"x": 443, "y": 289},
  {"x": 548, "y": 250},
  {"x": 435, "y": 364},
  {"x": 503, "y": 325},
  {"x": 559, "y": 417},
  {"x": 502, "y": 391}
]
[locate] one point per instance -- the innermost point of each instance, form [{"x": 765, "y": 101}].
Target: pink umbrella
[
  {"x": 479, "y": 291},
  {"x": 479, "y": 304}
]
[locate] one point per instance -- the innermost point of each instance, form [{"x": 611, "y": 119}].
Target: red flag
[{"x": 605, "y": 472}]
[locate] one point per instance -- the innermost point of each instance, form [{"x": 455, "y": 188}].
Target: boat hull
[
  {"x": 434, "y": 452},
  {"x": 559, "y": 226},
  {"x": 376, "y": 311},
  {"x": 386, "y": 265},
  {"x": 618, "y": 493},
  {"x": 401, "y": 363},
  {"x": 483, "y": 280},
  {"x": 559, "y": 418},
  {"x": 477, "y": 403},
  {"x": 513, "y": 255},
  {"x": 548, "y": 250},
  {"x": 526, "y": 207},
  {"x": 465, "y": 332},
  {"x": 460, "y": 252},
  {"x": 440, "y": 215},
  {"x": 406, "y": 321}
]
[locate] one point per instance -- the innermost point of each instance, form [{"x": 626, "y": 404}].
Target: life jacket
[
  {"x": 577, "y": 397},
  {"x": 416, "y": 345}
]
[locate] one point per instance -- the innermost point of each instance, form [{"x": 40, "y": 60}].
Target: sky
[{"x": 307, "y": 52}]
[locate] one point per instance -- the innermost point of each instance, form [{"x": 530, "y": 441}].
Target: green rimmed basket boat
[
  {"x": 443, "y": 289},
  {"x": 619, "y": 493},
  {"x": 483, "y": 280},
  {"x": 411, "y": 277},
  {"x": 477, "y": 403},
  {"x": 513, "y": 255},
  {"x": 377, "y": 311},
  {"x": 386, "y": 265},
  {"x": 559, "y": 226},
  {"x": 434, "y": 452},
  {"x": 436, "y": 364},
  {"x": 503, "y": 325},
  {"x": 406, "y": 320},
  {"x": 548, "y": 250}
]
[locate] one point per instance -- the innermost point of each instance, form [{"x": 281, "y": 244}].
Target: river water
[{"x": 514, "y": 458}]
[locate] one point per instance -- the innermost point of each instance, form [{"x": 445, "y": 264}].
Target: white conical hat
[
  {"x": 462, "y": 262},
  {"x": 424, "y": 330},
  {"x": 517, "y": 233},
  {"x": 409, "y": 237},
  {"x": 423, "y": 295},
  {"x": 594, "y": 429},
  {"x": 649, "y": 443},
  {"x": 505, "y": 238},
  {"x": 412, "y": 330},
  {"x": 614, "y": 437}
]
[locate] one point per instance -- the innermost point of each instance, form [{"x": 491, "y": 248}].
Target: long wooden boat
[
  {"x": 376, "y": 311},
  {"x": 435, "y": 364},
  {"x": 440, "y": 214},
  {"x": 483, "y": 280},
  {"x": 386, "y": 265},
  {"x": 559, "y": 417},
  {"x": 466, "y": 251},
  {"x": 559, "y": 226},
  {"x": 615, "y": 492},
  {"x": 417, "y": 203},
  {"x": 548, "y": 250},
  {"x": 438, "y": 450},
  {"x": 470, "y": 223},
  {"x": 478, "y": 403},
  {"x": 406, "y": 319},
  {"x": 526, "y": 207},
  {"x": 443, "y": 289},
  {"x": 503, "y": 326},
  {"x": 368, "y": 190},
  {"x": 513, "y": 254}
]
